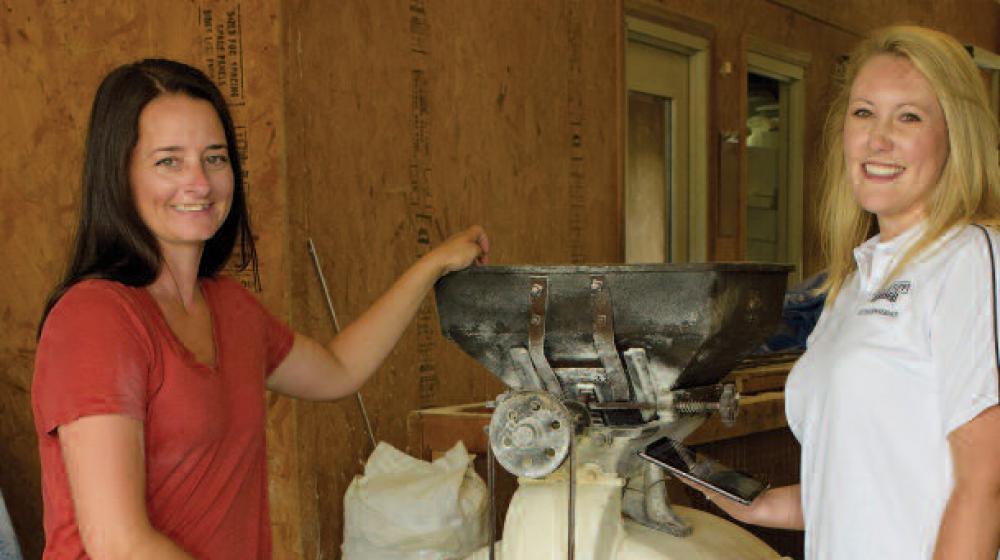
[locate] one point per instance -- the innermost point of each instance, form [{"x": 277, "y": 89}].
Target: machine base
[{"x": 535, "y": 527}]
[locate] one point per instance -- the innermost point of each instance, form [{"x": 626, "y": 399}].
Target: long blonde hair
[{"x": 969, "y": 187}]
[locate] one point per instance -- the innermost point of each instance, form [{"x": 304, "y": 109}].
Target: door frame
[
  {"x": 790, "y": 67},
  {"x": 697, "y": 50}
]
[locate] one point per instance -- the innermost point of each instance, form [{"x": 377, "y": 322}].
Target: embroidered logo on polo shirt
[
  {"x": 884, "y": 300},
  {"x": 892, "y": 293}
]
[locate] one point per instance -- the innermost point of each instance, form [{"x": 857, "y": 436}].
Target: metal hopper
[{"x": 576, "y": 330}]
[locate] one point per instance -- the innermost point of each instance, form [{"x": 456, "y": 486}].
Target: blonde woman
[{"x": 895, "y": 402}]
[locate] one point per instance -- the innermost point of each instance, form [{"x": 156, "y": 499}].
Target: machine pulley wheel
[{"x": 530, "y": 433}]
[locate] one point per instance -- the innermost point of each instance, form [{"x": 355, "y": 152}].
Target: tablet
[{"x": 703, "y": 471}]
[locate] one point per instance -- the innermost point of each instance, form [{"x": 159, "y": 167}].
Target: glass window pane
[{"x": 647, "y": 196}]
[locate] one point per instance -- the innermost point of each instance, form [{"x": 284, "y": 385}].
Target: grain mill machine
[{"x": 599, "y": 361}]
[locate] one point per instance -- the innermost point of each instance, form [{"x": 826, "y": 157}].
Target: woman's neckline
[{"x": 204, "y": 285}]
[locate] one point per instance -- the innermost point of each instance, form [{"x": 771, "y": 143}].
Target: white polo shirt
[{"x": 889, "y": 373}]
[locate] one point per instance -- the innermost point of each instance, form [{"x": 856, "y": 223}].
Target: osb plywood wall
[{"x": 377, "y": 128}]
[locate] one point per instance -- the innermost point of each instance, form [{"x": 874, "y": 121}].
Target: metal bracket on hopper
[
  {"x": 536, "y": 336},
  {"x": 604, "y": 338},
  {"x": 522, "y": 361},
  {"x": 637, "y": 364}
]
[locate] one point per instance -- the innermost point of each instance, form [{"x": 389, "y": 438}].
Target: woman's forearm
[
  {"x": 312, "y": 371},
  {"x": 780, "y": 508},
  {"x": 366, "y": 342},
  {"x": 320, "y": 372}
]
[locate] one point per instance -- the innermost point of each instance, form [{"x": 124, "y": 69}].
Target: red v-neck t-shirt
[{"x": 107, "y": 349}]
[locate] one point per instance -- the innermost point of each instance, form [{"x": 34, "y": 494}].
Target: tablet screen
[{"x": 703, "y": 470}]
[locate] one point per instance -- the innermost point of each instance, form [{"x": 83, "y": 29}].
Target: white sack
[{"x": 403, "y": 508}]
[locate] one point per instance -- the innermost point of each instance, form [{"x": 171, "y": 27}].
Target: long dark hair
[{"x": 112, "y": 241}]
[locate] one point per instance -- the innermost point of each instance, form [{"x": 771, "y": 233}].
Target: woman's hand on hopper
[{"x": 461, "y": 250}]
